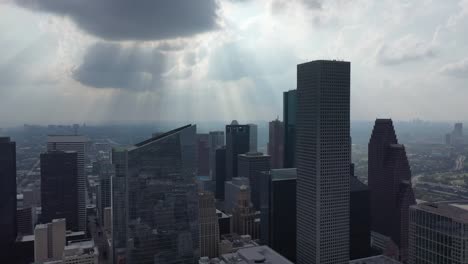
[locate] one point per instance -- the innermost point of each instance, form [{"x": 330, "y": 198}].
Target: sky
[{"x": 107, "y": 61}]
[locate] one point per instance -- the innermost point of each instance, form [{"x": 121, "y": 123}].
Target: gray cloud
[
  {"x": 457, "y": 69},
  {"x": 134, "y": 20},
  {"x": 405, "y": 50},
  {"x": 134, "y": 68}
]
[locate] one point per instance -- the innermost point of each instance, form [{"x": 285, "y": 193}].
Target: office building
[
  {"x": 209, "y": 227},
  {"x": 380, "y": 259},
  {"x": 275, "y": 143},
  {"x": 232, "y": 190},
  {"x": 359, "y": 220},
  {"x": 278, "y": 211},
  {"x": 59, "y": 188},
  {"x": 323, "y": 158},
  {"x": 79, "y": 145},
  {"x": 220, "y": 168},
  {"x": 231, "y": 243},
  {"x": 106, "y": 172},
  {"x": 289, "y": 115},
  {"x": 83, "y": 252},
  {"x": 24, "y": 221},
  {"x": 256, "y": 254},
  {"x": 7, "y": 197},
  {"x": 253, "y": 134},
  {"x": 216, "y": 141},
  {"x": 251, "y": 165},
  {"x": 203, "y": 154},
  {"x": 437, "y": 232},
  {"x": 390, "y": 187},
  {"x": 456, "y": 137},
  {"x": 24, "y": 250},
  {"x": 246, "y": 220},
  {"x": 107, "y": 219},
  {"x": 49, "y": 241},
  {"x": 224, "y": 223},
  {"x": 155, "y": 200},
  {"x": 237, "y": 142}
]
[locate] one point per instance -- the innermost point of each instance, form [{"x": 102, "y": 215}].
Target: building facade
[
  {"x": 216, "y": 141},
  {"x": 253, "y": 137},
  {"x": 389, "y": 176},
  {"x": 203, "y": 154},
  {"x": 237, "y": 142},
  {"x": 232, "y": 189},
  {"x": 155, "y": 200},
  {"x": 323, "y": 158},
  {"x": 276, "y": 143},
  {"x": 209, "y": 227},
  {"x": 359, "y": 220},
  {"x": 49, "y": 241},
  {"x": 244, "y": 217},
  {"x": 289, "y": 115},
  {"x": 220, "y": 168},
  {"x": 251, "y": 165},
  {"x": 7, "y": 197}
]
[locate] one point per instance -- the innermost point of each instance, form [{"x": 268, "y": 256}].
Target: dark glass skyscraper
[
  {"x": 278, "y": 211},
  {"x": 237, "y": 142},
  {"x": 359, "y": 220},
  {"x": 220, "y": 168},
  {"x": 155, "y": 200},
  {"x": 276, "y": 143},
  {"x": 59, "y": 187},
  {"x": 390, "y": 186},
  {"x": 323, "y": 158},
  {"x": 289, "y": 115},
  {"x": 7, "y": 198},
  {"x": 251, "y": 166}
]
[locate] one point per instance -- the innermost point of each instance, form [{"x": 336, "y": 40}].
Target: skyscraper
[
  {"x": 220, "y": 168},
  {"x": 203, "y": 154},
  {"x": 155, "y": 200},
  {"x": 105, "y": 174},
  {"x": 232, "y": 189},
  {"x": 244, "y": 216},
  {"x": 289, "y": 115},
  {"x": 253, "y": 140},
  {"x": 49, "y": 241},
  {"x": 59, "y": 187},
  {"x": 237, "y": 142},
  {"x": 79, "y": 145},
  {"x": 278, "y": 211},
  {"x": 275, "y": 143},
  {"x": 7, "y": 198},
  {"x": 437, "y": 232},
  {"x": 251, "y": 165},
  {"x": 390, "y": 186},
  {"x": 359, "y": 220},
  {"x": 216, "y": 140},
  {"x": 209, "y": 228},
  {"x": 323, "y": 158}
]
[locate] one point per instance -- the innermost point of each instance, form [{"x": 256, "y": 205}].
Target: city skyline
[{"x": 56, "y": 60}]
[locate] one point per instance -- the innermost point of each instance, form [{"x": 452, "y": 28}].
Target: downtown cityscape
[{"x": 294, "y": 174}]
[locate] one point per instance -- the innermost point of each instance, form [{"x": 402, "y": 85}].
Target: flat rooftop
[
  {"x": 258, "y": 254},
  {"x": 375, "y": 260},
  {"x": 456, "y": 210}
]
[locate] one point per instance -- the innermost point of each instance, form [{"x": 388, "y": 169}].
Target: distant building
[
  {"x": 251, "y": 165},
  {"x": 209, "y": 226},
  {"x": 253, "y": 141},
  {"x": 203, "y": 154},
  {"x": 237, "y": 142},
  {"x": 79, "y": 145},
  {"x": 289, "y": 115},
  {"x": 7, "y": 198},
  {"x": 375, "y": 260},
  {"x": 391, "y": 191},
  {"x": 216, "y": 141},
  {"x": 278, "y": 211},
  {"x": 59, "y": 188},
  {"x": 257, "y": 254},
  {"x": 105, "y": 174},
  {"x": 244, "y": 216},
  {"x": 220, "y": 168},
  {"x": 232, "y": 190},
  {"x": 24, "y": 221},
  {"x": 49, "y": 241},
  {"x": 276, "y": 143},
  {"x": 155, "y": 200},
  {"x": 437, "y": 232},
  {"x": 323, "y": 156},
  {"x": 231, "y": 243},
  {"x": 83, "y": 252},
  {"x": 359, "y": 220},
  {"x": 24, "y": 250},
  {"x": 456, "y": 138}
]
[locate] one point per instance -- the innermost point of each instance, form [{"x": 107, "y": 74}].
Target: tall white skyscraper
[
  {"x": 77, "y": 144},
  {"x": 323, "y": 162}
]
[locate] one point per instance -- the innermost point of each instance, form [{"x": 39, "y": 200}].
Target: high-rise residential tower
[
  {"x": 7, "y": 198},
  {"x": 237, "y": 142},
  {"x": 390, "y": 187},
  {"x": 155, "y": 200},
  {"x": 323, "y": 158},
  {"x": 59, "y": 187},
  {"x": 251, "y": 166},
  {"x": 79, "y": 145},
  {"x": 275, "y": 143},
  {"x": 216, "y": 141},
  {"x": 289, "y": 115}
]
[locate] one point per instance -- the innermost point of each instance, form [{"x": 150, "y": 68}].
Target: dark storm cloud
[
  {"x": 134, "y": 20},
  {"x": 114, "y": 66}
]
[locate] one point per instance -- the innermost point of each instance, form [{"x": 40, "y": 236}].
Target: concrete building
[
  {"x": 59, "y": 188},
  {"x": 323, "y": 156},
  {"x": 155, "y": 200},
  {"x": 79, "y": 145},
  {"x": 251, "y": 165},
  {"x": 437, "y": 232},
  {"x": 289, "y": 115},
  {"x": 245, "y": 219},
  {"x": 209, "y": 226},
  {"x": 391, "y": 191},
  {"x": 49, "y": 241},
  {"x": 237, "y": 142},
  {"x": 216, "y": 141},
  {"x": 278, "y": 211},
  {"x": 276, "y": 143},
  {"x": 232, "y": 190},
  {"x": 7, "y": 198}
]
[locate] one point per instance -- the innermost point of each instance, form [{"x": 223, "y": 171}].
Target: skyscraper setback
[
  {"x": 390, "y": 187},
  {"x": 323, "y": 160}
]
